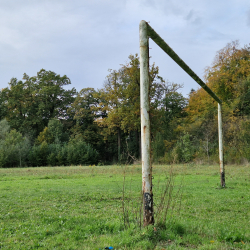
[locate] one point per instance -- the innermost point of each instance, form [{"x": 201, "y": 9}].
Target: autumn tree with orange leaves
[{"x": 229, "y": 78}]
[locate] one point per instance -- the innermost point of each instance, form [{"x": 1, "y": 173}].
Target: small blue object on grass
[{"x": 109, "y": 248}]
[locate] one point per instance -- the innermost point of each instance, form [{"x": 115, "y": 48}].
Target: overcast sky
[{"x": 84, "y": 38}]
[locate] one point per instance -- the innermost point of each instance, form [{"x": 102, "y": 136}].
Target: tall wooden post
[
  {"x": 221, "y": 156},
  {"x": 146, "y": 31},
  {"x": 148, "y": 215}
]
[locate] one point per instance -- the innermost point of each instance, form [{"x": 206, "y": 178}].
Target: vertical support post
[
  {"x": 148, "y": 216},
  {"x": 222, "y": 170}
]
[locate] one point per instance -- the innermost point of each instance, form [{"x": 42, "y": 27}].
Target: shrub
[
  {"x": 38, "y": 155},
  {"x": 184, "y": 150},
  {"x": 78, "y": 152},
  {"x": 14, "y": 148}
]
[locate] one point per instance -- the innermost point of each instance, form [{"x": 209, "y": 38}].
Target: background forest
[{"x": 43, "y": 123}]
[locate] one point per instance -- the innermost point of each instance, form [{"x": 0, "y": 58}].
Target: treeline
[
  {"x": 42, "y": 123},
  {"x": 229, "y": 78}
]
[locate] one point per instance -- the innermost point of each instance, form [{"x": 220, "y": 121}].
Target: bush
[
  {"x": 184, "y": 150},
  {"x": 158, "y": 147},
  {"x": 81, "y": 153},
  {"x": 13, "y": 149},
  {"x": 38, "y": 155},
  {"x": 73, "y": 153}
]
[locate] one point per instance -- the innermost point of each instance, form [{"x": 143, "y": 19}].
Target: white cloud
[{"x": 83, "y": 39}]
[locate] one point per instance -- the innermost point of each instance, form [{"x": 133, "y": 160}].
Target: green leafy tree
[
  {"x": 4, "y": 128},
  {"x": 158, "y": 147},
  {"x": 14, "y": 148},
  {"x": 85, "y": 112},
  {"x": 112, "y": 99},
  {"x": 173, "y": 111},
  {"x": 121, "y": 102},
  {"x": 19, "y": 105},
  {"x": 183, "y": 151},
  {"x": 53, "y": 133},
  {"x": 31, "y": 103}
]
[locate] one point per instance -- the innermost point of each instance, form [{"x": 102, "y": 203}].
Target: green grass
[{"x": 82, "y": 208}]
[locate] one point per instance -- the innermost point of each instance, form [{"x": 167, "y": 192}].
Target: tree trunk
[
  {"x": 207, "y": 149},
  {"x": 119, "y": 144}
]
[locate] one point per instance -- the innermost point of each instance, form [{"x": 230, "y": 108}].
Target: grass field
[{"x": 94, "y": 207}]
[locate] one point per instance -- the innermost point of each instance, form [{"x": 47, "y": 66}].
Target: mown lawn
[{"x": 85, "y": 207}]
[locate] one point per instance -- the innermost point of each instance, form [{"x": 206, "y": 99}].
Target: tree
[
  {"x": 229, "y": 78},
  {"x": 31, "y": 103},
  {"x": 85, "y": 112},
  {"x": 19, "y": 105},
  {"x": 14, "y": 147},
  {"x": 111, "y": 102},
  {"x": 173, "y": 111},
  {"x": 121, "y": 101},
  {"x": 158, "y": 147},
  {"x": 53, "y": 98},
  {"x": 4, "y": 128},
  {"x": 230, "y": 66},
  {"x": 53, "y": 133}
]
